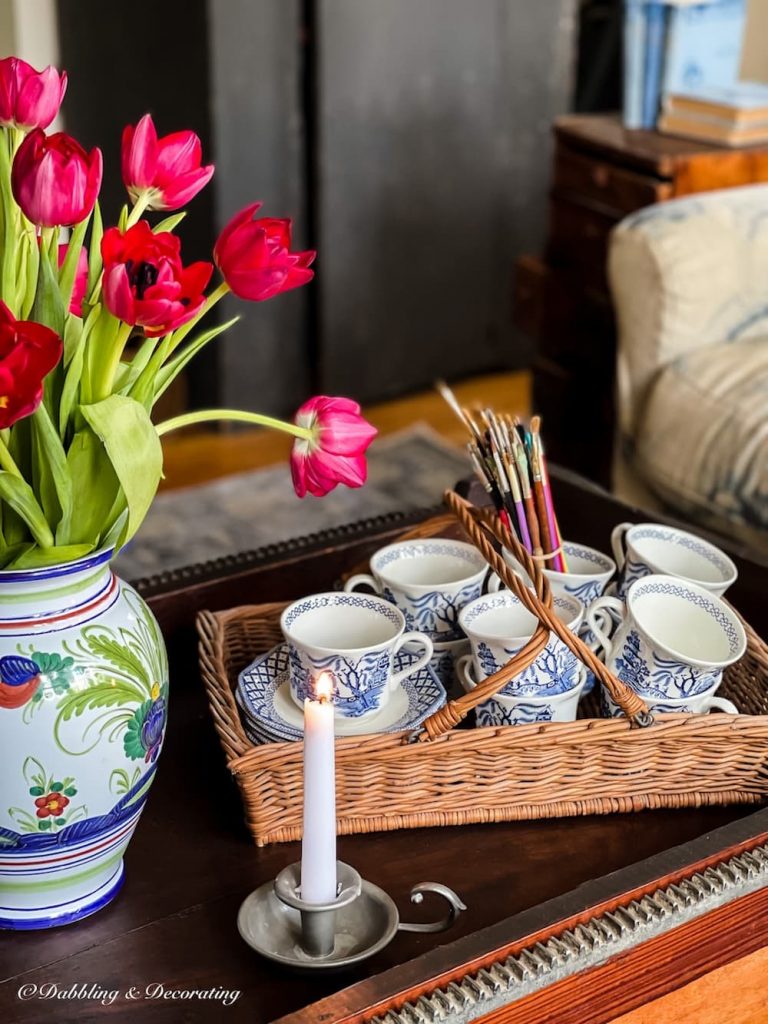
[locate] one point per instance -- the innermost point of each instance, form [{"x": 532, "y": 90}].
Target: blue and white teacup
[
  {"x": 589, "y": 572},
  {"x": 430, "y": 581},
  {"x": 643, "y": 549},
  {"x": 524, "y": 709},
  {"x": 355, "y": 637},
  {"x": 499, "y": 625},
  {"x": 673, "y": 640},
  {"x": 700, "y": 704}
]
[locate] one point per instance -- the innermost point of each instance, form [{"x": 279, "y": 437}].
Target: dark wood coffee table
[{"x": 191, "y": 864}]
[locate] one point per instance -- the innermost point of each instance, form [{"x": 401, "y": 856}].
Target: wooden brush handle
[
  {"x": 541, "y": 507},
  {"x": 533, "y": 524}
]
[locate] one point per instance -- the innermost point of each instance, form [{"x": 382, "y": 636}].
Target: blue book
[
  {"x": 655, "y": 33},
  {"x": 634, "y": 62},
  {"x": 704, "y": 45}
]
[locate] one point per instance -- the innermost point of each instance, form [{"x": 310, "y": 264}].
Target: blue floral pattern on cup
[
  {"x": 555, "y": 670},
  {"x": 436, "y": 612},
  {"x": 491, "y": 712},
  {"x": 359, "y": 684},
  {"x": 660, "y": 677}
]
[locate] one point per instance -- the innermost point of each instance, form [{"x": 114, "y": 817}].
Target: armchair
[{"x": 689, "y": 280}]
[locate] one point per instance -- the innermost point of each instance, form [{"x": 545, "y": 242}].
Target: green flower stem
[
  {"x": 138, "y": 208},
  {"x": 8, "y": 255},
  {"x": 6, "y": 460},
  {"x": 212, "y": 415},
  {"x": 110, "y": 362},
  {"x": 179, "y": 335}
]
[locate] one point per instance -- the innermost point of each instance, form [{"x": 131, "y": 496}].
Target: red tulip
[
  {"x": 29, "y": 98},
  {"x": 54, "y": 180},
  {"x": 335, "y": 452},
  {"x": 168, "y": 168},
  {"x": 253, "y": 255},
  {"x": 28, "y": 351},
  {"x": 145, "y": 283},
  {"x": 81, "y": 279}
]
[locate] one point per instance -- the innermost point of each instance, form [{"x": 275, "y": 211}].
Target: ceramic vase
[{"x": 83, "y": 703}]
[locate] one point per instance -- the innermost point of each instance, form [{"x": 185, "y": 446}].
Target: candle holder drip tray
[{"x": 362, "y": 920}]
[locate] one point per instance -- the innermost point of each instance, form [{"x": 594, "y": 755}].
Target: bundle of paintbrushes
[{"x": 509, "y": 461}]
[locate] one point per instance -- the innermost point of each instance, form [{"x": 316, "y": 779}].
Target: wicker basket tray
[{"x": 457, "y": 776}]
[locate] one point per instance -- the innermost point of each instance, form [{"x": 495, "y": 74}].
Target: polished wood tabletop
[{"x": 191, "y": 862}]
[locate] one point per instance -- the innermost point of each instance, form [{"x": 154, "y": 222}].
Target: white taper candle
[{"x": 318, "y": 844}]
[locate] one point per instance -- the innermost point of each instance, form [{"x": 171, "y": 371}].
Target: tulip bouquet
[{"x": 95, "y": 328}]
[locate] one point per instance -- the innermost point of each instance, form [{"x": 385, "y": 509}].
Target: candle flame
[{"x": 324, "y": 686}]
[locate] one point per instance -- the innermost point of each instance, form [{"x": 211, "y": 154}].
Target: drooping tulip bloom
[
  {"x": 29, "y": 98},
  {"x": 145, "y": 282},
  {"x": 81, "y": 278},
  {"x": 169, "y": 169},
  {"x": 334, "y": 454},
  {"x": 54, "y": 181},
  {"x": 28, "y": 352},
  {"x": 254, "y": 256}
]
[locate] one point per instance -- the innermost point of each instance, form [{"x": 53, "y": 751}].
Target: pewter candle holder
[{"x": 363, "y": 919}]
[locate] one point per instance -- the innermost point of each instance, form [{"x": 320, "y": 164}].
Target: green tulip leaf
[
  {"x": 40, "y": 558},
  {"x": 95, "y": 487},
  {"x": 133, "y": 447},
  {"x": 94, "y": 252},
  {"x": 19, "y": 495},
  {"x": 51, "y": 475},
  {"x": 48, "y": 307},
  {"x": 168, "y": 373},
  {"x": 170, "y": 222}
]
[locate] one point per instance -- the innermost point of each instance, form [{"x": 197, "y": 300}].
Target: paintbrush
[{"x": 538, "y": 489}]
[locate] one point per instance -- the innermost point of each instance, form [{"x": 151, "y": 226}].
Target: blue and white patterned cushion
[
  {"x": 702, "y": 440},
  {"x": 690, "y": 285}
]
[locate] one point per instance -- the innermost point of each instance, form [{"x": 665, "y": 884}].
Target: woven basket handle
[{"x": 489, "y": 534}]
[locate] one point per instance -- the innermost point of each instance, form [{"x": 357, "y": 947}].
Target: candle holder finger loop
[{"x": 455, "y": 906}]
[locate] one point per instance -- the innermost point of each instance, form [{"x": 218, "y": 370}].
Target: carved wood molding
[{"x": 666, "y": 923}]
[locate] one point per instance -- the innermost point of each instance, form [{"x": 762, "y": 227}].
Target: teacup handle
[
  {"x": 597, "y": 621},
  {"x": 411, "y": 638},
  {"x": 463, "y": 671},
  {"x": 617, "y": 543},
  {"x": 722, "y": 705},
  {"x": 358, "y": 579}
]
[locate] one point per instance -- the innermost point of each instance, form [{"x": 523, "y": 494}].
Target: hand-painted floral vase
[{"x": 83, "y": 700}]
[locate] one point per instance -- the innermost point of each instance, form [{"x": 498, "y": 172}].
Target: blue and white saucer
[{"x": 271, "y": 715}]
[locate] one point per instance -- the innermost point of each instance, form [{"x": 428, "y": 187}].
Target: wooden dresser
[{"x": 601, "y": 173}]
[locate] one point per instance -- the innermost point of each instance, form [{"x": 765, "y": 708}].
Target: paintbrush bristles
[{"x": 509, "y": 462}]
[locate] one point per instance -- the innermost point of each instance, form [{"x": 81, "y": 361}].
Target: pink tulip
[
  {"x": 254, "y": 257},
  {"x": 335, "y": 452},
  {"x": 81, "y": 278},
  {"x": 168, "y": 168},
  {"x": 54, "y": 181},
  {"x": 29, "y": 98}
]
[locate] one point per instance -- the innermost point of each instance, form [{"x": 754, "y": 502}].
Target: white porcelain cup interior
[
  {"x": 682, "y": 620},
  {"x": 503, "y": 618},
  {"x": 422, "y": 565},
  {"x": 665, "y": 550}
]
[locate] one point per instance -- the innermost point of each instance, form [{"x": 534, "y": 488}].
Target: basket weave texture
[{"x": 458, "y": 776}]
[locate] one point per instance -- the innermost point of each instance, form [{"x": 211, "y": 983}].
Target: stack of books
[
  {"x": 735, "y": 115},
  {"x": 676, "y": 47}
]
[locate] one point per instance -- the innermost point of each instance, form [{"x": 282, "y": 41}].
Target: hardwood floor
[{"x": 194, "y": 456}]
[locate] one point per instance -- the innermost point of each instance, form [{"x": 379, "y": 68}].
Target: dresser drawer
[
  {"x": 618, "y": 190},
  {"x": 578, "y": 240}
]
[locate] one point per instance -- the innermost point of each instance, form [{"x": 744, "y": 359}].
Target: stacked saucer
[{"x": 270, "y": 715}]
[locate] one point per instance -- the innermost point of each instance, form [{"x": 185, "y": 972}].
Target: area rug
[{"x": 406, "y": 470}]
